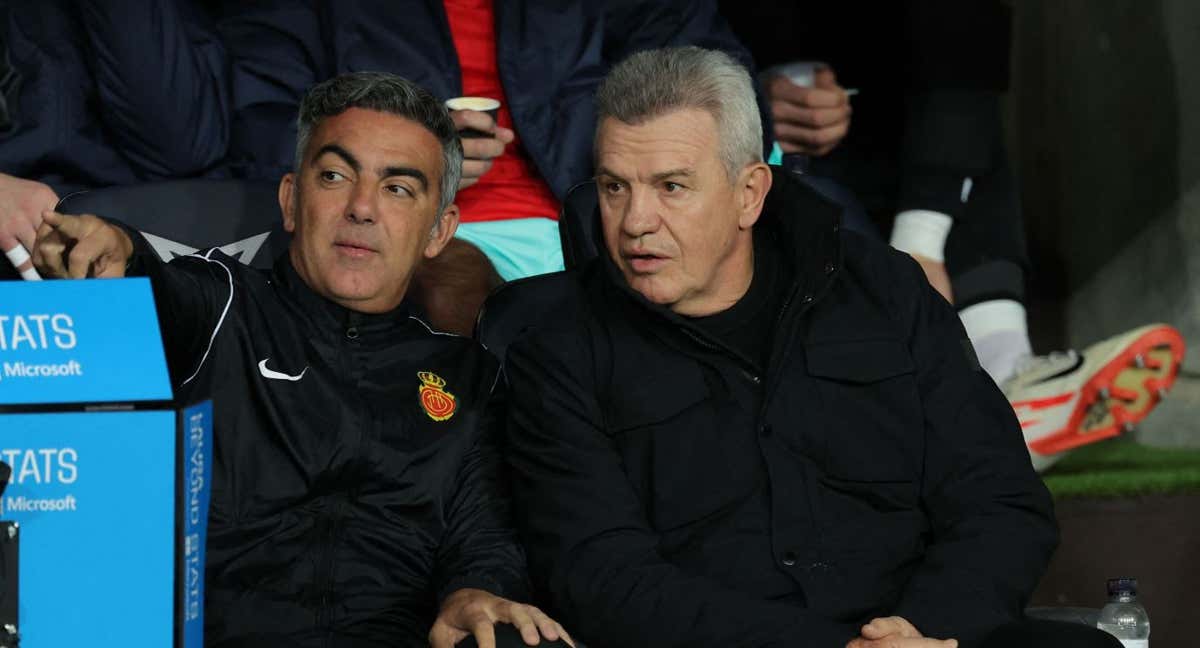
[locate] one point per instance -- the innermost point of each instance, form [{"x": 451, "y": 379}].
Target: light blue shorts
[{"x": 518, "y": 247}]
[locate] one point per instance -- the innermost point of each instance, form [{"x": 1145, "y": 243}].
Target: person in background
[
  {"x": 921, "y": 146},
  {"x": 541, "y": 61},
  {"x": 95, "y": 93}
]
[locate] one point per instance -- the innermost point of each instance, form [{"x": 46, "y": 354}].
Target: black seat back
[{"x": 579, "y": 225}]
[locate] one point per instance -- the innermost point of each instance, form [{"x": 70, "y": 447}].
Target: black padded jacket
[{"x": 671, "y": 493}]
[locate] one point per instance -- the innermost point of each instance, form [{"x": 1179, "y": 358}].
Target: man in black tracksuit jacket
[
  {"x": 357, "y": 486},
  {"x": 820, "y": 450},
  {"x": 340, "y": 506}
]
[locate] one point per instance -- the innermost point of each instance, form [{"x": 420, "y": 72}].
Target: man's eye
[
  {"x": 399, "y": 190},
  {"x": 672, "y": 187},
  {"x": 612, "y": 187},
  {"x": 331, "y": 176}
]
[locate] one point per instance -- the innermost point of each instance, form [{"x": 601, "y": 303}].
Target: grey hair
[
  {"x": 652, "y": 83},
  {"x": 386, "y": 93}
]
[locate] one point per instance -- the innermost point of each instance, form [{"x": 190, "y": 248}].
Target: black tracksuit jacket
[
  {"x": 672, "y": 493},
  {"x": 342, "y": 511}
]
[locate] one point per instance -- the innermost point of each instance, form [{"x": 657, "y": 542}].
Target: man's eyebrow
[
  {"x": 346, "y": 156},
  {"x": 657, "y": 177},
  {"x": 672, "y": 173},
  {"x": 417, "y": 174},
  {"x": 385, "y": 172},
  {"x": 602, "y": 171}
]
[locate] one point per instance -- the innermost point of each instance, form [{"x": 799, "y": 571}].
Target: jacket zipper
[
  {"x": 747, "y": 368},
  {"x": 324, "y": 578}
]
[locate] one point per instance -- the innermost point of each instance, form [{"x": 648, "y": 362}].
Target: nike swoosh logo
[
  {"x": 1078, "y": 363},
  {"x": 275, "y": 375}
]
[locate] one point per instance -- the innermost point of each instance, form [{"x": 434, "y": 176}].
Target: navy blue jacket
[
  {"x": 110, "y": 92},
  {"x": 551, "y": 54}
]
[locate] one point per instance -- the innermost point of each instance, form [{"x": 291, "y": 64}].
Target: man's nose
[
  {"x": 641, "y": 214},
  {"x": 362, "y": 206}
]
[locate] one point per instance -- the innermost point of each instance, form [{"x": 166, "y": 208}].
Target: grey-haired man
[{"x": 748, "y": 427}]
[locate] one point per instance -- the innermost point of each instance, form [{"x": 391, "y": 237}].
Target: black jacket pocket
[{"x": 873, "y": 429}]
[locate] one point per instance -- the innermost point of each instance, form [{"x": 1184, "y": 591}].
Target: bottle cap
[{"x": 1122, "y": 586}]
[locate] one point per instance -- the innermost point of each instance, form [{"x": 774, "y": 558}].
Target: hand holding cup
[
  {"x": 482, "y": 139},
  {"x": 810, "y": 110}
]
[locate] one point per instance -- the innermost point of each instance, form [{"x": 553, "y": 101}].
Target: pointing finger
[
  {"x": 75, "y": 227},
  {"x": 83, "y": 256}
]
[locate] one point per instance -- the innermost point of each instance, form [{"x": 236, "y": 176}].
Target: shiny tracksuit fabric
[{"x": 342, "y": 511}]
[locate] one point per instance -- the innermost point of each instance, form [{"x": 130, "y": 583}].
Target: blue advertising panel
[
  {"x": 83, "y": 341},
  {"x": 95, "y": 497},
  {"x": 193, "y": 503}
]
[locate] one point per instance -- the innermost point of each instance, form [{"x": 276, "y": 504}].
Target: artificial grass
[{"x": 1122, "y": 467}]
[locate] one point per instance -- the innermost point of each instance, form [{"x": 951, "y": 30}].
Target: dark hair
[{"x": 386, "y": 93}]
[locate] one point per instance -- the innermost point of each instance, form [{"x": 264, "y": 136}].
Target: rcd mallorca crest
[{"x": 438, "y": 403}]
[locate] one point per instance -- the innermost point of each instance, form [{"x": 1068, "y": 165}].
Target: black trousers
[
  {"x": 1037, "y": 633},
  {"x": 986, "y": 253},
  {"x": 1023, "y": 634}
]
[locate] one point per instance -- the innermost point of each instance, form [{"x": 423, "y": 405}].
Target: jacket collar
[{"x": 328, "y": 313}]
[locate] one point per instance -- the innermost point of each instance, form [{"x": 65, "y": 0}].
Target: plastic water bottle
[{"x": 1123, "y": 617}]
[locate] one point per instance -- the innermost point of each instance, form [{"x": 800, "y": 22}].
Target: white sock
[
  {"x": 999, "y": 334},
  {"x": 920, "y": 231}
]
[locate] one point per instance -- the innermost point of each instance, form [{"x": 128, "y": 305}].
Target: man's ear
[
  {"x": 443, "y": 230},
  {"x": 287, "y": 202},
  {"x": 753, "y": 183}
]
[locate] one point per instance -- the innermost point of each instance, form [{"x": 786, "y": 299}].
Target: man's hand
[
  {"x": 935, "y": 272},
  {"x": 812, "y": 120},
  {"x": 896, "y": 632},
  {"x": 902, "y": 642},
  {"x": 473, "y": 612},
  {"x": 478, "y": 152},
  {"x": 80, "y": 246},
  {"x": 21, "y": 205}
]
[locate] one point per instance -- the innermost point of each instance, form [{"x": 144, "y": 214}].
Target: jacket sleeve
[
  {"x": 192, "y": 296},
  {"x": 590, "y": 544},
  {"x": 162, "y": 76},
  {"x": 992, "y": 526},
  {"x": 480, "y": 548}
]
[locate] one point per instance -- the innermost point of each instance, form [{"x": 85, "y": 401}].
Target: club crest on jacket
[{"x": 438, "y": 403}]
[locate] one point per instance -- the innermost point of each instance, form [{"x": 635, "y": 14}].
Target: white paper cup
[{"x": 481, "y": 104}]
